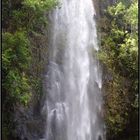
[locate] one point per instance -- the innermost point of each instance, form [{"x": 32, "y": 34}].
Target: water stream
[{"x": 73, "y": 83}]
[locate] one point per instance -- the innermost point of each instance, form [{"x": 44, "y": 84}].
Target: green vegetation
[
  {"x": 16, "y": 60},
  {"x": 119, "y": 56},
  {"x": 22, "y": 22}
]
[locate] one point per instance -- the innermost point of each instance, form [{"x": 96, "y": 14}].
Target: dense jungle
[{"x": 25, "y": 52}]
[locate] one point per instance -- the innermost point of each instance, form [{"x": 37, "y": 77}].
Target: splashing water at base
[{"x": 73, "y": 80}]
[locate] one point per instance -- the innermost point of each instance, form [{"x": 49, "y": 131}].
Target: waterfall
[{"x": 72, "y": 85}]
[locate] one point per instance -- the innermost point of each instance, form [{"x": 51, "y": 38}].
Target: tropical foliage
[
  {"x": 119, "y": 56},
  {"x": 22, "y": 20}
]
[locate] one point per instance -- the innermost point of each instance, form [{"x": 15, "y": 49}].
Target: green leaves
[
  {"x": 15, "y": 50},
  {"x": 119, "y": 54},
  {"x": 16, "y": 60},
  {"x": 23, "y": 23},
  {"x": 119, "y": 43},
  {"x": 40, "y": 5},
  {"x": 25, "y": 17},
  {"x": 36, "y": 10},
  {"x": 17, "y": 86},
  {"x": 132, "y": 14},
  {"x": 116, "y": 10}
]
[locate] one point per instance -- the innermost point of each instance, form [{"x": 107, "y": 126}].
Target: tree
[
  {"x": 119, "y": 56},
  {"x": 21, "y": 22}
]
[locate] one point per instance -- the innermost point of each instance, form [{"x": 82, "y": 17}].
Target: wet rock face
[
  {"x": 28, "y": 125},
  {"x": 35, "y": 128},
  {"x": 96, "y": 6},
  {"x": 100, "y": 5}
]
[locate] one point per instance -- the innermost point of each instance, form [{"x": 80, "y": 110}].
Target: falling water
[{"x": 73, "y": 79}]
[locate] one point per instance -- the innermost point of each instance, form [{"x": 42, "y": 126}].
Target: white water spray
[{"x": 73, "y": 80}]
